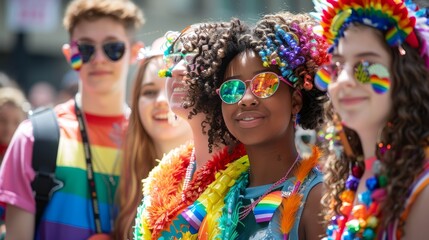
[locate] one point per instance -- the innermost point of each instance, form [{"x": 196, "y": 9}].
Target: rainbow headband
[{"x": 389, "y": 16}]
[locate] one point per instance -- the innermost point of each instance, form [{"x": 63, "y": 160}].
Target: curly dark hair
[
  {"x": 218, "y": 51},
  {"x": 311, "y": 114},
  {"x": 216, "y": 44},
  {"x": 406, "y": 131}
]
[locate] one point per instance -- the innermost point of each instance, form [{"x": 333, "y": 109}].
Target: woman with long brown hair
[
  {"x": 153, "y": 130},
  {"x": 378, "y": 82}
]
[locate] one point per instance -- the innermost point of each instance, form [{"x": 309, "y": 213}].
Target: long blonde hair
[{"x": 139, "y": 159}]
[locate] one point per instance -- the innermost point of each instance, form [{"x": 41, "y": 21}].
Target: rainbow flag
[{"x": 265, "y": 209}]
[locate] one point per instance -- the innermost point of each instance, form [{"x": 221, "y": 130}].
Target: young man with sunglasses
[{"x": 91, "y": 129}]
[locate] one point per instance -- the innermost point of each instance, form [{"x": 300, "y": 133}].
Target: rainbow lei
[
  {"x": 221, "y": 217},
  {"x": 208, "y": 207},
  {"x": 163, "y": 188},
  {"x": 389, "y": 16}
]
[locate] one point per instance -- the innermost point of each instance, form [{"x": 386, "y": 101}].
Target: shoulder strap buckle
[{"x": 47, "y": 184}]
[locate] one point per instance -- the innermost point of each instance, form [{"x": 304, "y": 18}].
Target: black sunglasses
[{"x": 113, "y": 50}]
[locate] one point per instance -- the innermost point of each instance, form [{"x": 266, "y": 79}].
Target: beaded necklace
[
  {"x": 189, "y": 172},
  {"x": 362, "y": 220},
  {"x": 246, "y": 210}
]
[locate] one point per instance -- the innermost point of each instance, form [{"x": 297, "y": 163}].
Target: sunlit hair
[
  {"x": 139, "y": 159},
  {"x": 123, "y": 11},
  {"x": 407, "y": 133}
]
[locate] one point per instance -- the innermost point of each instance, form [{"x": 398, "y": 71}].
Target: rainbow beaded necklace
[{"x": 360, "y": 221}]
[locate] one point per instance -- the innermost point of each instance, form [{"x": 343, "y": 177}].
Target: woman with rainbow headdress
[
  {"x": 253, "y": 85},
  {"x": 378, "y": 82},
  {"x": 185, "y": 172}
]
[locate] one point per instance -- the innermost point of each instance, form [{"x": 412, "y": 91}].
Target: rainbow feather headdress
[{"x": 392, "y": 17}]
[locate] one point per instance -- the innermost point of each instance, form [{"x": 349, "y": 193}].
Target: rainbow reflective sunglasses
[
  {"x": 262, "y": 85},
  {"x": 364, "y": 72},
  {"x": 113, "y": 50}
]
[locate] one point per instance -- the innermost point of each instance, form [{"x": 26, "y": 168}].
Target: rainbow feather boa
[{"x": 163, "y": 201}]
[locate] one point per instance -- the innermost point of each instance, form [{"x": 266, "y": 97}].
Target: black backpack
[{"x": 46, "y": 138}]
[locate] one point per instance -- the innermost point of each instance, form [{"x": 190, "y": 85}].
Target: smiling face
[
  {"x": 154, "y": 111},
  {"x": 176, "y": 85},
  {"x": 255, "y": 120},
  {"x": 359, "y": 106},
  {"x": 100, "y": 74}
]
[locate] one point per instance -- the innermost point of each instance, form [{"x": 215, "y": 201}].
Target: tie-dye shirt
[{"x": 69, "y": 214}]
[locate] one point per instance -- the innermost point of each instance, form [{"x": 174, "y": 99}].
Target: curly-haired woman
[
  {"x": 185, "y": 172},
  {"x": 378, "y": 81},
  {"x": 253, "y": 85}
]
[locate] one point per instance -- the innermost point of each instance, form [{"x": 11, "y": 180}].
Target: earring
[
  {"x": 382, "y": 146},
  {"x": 304, "y": 141},
  {"x": 294, "y": 118}
]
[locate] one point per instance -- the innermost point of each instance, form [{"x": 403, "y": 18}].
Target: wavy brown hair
[
  {"x": 407, "y": 131},
  {"x": 218, "y": 51},
  {"x": 139, "y": 159}
]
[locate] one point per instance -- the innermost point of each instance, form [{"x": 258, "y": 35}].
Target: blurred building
[{"x": 31, "y": 32}]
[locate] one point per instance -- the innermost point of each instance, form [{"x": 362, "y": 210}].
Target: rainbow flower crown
[{"x": 392, "y": 17}]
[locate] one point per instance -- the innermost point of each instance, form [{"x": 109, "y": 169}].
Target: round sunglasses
[
  {"x": 113, "y": 50},
  {"x": 262, "y": 85},
  {"x": 364, "y": 72}
]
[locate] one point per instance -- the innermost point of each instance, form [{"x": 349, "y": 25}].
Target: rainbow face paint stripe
[
  {"x": 267, "y": 206},
  {"x": 76, "y": 58},
  {"x": 322, "y": 79}
]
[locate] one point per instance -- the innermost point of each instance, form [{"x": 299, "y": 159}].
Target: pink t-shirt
[
  {"x": 69, "y": 213},
  {"x": 17, "y": 174}
]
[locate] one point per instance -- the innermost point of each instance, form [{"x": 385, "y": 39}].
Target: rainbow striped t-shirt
[{"x": 69, "y": 214}]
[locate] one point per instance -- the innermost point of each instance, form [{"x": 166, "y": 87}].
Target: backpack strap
[{"x": 46, "y": 137}]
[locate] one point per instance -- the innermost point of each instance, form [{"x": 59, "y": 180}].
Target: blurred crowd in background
[
  {"x": 31, "y": 36},
  {"x": 31, "y": 33}
]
